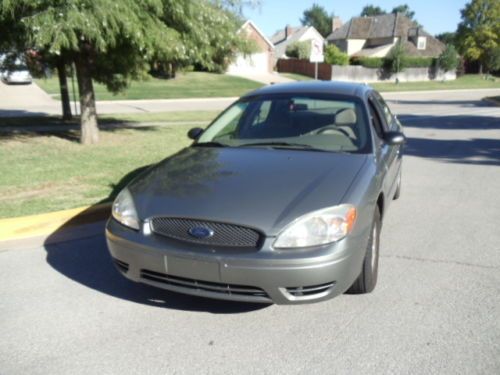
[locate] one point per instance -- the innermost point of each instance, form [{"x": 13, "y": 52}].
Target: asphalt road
[{"x": 436, "y": 309}]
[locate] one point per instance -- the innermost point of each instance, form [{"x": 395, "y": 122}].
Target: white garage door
[{"x": 255, "y": 63}]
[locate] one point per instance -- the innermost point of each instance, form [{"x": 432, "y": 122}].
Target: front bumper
[{"x": 264, "y": 275}]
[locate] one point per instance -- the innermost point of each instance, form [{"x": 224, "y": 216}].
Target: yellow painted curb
[{"x": 46, "y": 224}]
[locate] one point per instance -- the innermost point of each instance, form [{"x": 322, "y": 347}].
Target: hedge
[
  {"x": 368, "y": 62},
  {"x": 382, "y": 62}
]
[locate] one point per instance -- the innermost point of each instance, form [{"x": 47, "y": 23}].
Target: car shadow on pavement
[
  {"x": 461, "y": 103},
  {"x": 444, "y": 122},
  {"x": 474, "y": 149},
  {"x": 86, "y": 260}
]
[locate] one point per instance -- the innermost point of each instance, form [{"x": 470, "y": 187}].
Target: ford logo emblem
[{"x": 201, "y": 232}]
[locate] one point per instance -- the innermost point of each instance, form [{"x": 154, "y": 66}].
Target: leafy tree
[
  {"x": 318, "y": 17},
  {"x": 405, "y": 10},
  {"x": 207, "y": 33},
  {"x": 479, "y": 32},
  {"x": 493, "y": 60},
  {"x": 372, "y": 10},
  {"x": 449, "y": 59},
  {"x": 334, "y": 56},
  {"x": 109, "y": 41},
  {"x": 447, "y": 37},
  {"x": 299, "y": 50},
  {"x": 113, "y": 42}
]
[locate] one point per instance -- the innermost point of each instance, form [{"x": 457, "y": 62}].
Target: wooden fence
[{"x": 305, "y": 68}]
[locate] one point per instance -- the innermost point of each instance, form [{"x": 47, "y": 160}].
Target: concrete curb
[{"x": 29, "y": 231}]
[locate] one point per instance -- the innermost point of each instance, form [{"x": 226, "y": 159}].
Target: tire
[
  {"x": 367, "y": 279},
  {"x": 398, "y": 189}
]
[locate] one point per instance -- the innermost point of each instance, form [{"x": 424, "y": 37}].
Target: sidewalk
[{"x": 27, "y": 103}]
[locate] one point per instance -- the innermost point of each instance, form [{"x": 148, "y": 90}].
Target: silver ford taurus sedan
[{"x": 279, "y": 200}]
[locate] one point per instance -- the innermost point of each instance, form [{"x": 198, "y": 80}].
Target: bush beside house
[
  {"x": 334, "y": 56},
  {"x": 299, "y": 50}
]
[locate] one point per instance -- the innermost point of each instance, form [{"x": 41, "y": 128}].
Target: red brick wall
[{"x": 252, "y": 34}]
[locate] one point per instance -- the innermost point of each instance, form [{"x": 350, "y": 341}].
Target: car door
[{"x": 388, "y": 156}]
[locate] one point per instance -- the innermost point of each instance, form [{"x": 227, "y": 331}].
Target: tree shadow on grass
[
  {"x": 53, "y": 126},
  {"x": 87, "y": 261}
]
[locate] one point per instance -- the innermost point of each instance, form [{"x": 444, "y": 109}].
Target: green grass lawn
[
  {"x": 297, "y": 77},
  {"x": 49, "y": 172},
  {"x": 469, "y": 81},
  {"x": 188, "y": 85}
]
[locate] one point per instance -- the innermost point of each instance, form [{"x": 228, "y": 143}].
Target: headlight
[
  {"x": 124, "y": 210},
  {"x": 318, "y": 228}
]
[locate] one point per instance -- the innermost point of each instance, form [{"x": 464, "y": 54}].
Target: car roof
[{"x": 314, "y": 87}]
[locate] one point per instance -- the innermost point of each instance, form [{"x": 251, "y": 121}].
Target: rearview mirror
[
  {"x": 194, "y": 133},
  {"x": 394, "y": 138}
]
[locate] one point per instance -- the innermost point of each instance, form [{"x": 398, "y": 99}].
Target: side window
[
  {"x": 376, "y": 120},
  {"x": 263, "y": 113},
  {"x": 385, "y": 109}
]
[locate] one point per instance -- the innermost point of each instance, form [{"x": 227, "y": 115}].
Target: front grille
[
  {"x": 302, "y": 291},
  {"x": 223, "y": 234},
  {"x": 122, "y": 266},
  {"x": 254, "y": 293}
]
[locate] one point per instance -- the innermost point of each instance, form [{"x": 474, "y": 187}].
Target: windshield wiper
[
  {"x": 210, "y": 144},
  {"x": 285, "y": 145}
]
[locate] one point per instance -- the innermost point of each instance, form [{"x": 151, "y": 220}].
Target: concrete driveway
[
  {"x": 25, "y": 100},
  {"x": 436, "y": 309}
]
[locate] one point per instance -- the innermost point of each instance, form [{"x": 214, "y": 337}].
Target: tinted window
[
  {"x": 375, "y": 119},
  {"x": 388, "y": 117},
  {"x": 327, "y": 123}
]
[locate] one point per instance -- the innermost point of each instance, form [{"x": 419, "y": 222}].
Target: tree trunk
[
  {"x": 63, "y": 86},
  {"x": 480, "y": 67},
  {"x": 88, "y": 116}
]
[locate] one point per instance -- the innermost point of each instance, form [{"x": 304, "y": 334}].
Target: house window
[{"x": 422, "y": 42}]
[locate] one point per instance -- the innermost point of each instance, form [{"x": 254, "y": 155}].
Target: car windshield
[{"x": 310, "y": 122}]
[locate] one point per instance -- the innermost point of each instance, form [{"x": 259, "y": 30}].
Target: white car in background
[{"x": 18, "y": 74}]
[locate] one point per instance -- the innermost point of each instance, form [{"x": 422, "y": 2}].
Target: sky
[{"x": 436, "y": 16}]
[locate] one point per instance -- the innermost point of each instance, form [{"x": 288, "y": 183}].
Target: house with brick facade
[{"x": 259, "y": 62}]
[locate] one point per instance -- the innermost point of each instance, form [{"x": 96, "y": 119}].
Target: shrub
[
  {"x": 395, "y": 60},
  {"x": 299, "y": 50},
  {"x": 448, "y": 60},
  {"x": 418, "y": 62},
  {"x": 368, "y": 62},
  {"x": 334, "y": 56}
]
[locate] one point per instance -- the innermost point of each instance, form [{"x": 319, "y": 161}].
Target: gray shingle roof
[
  {"x": 386, "y": 26},
  {"x": 381, "y": 26},
  {"x": 281, "y": 43}
]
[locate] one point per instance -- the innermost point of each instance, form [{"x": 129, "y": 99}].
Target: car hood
[{"x": 261, "y": 188}]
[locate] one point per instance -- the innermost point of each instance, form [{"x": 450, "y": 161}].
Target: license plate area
[{"x": 192, "y": 268}]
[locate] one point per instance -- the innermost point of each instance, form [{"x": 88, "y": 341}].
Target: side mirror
[
  {"x": 194, "y": 133},
  {"x": 394, "y": 138}
]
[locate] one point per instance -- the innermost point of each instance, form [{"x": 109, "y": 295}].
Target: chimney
[
  {"x": 288, "y": 31},
  {"x": 336, "y": 23}
]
